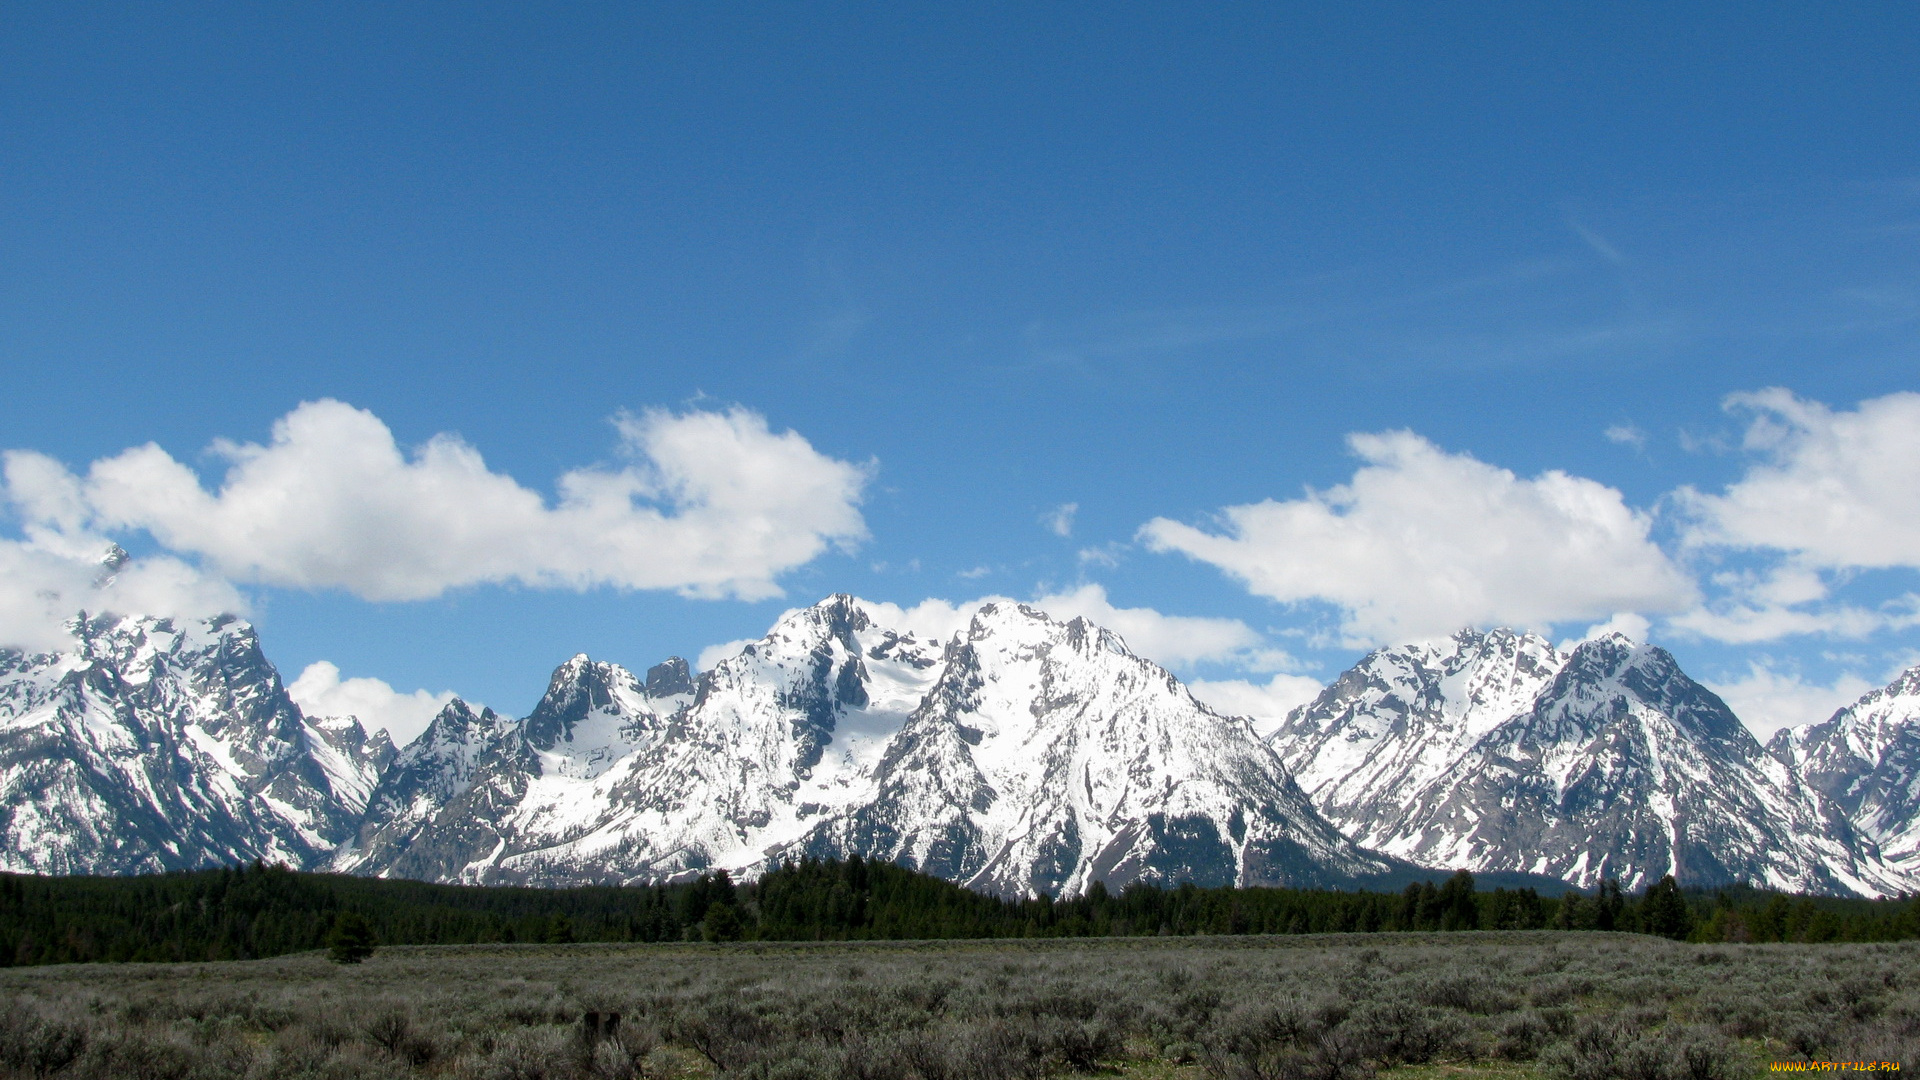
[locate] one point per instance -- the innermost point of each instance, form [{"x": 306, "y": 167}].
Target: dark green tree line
[{"x": 254, "y": 911}]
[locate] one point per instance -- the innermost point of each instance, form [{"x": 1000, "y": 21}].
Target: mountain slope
[
  {"x": 1496, "y": 752},
  {"x": 159, "y": 745},
  {"x": 1866, "y": 759}
]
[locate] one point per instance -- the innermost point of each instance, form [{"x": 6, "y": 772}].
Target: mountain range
[{"x": 1020, "y": 755}]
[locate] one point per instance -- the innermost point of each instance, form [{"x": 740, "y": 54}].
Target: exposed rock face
[
  {"x": 1866, "y": 760},
  {"x": 153, "y": 745},
  {"x": 1497, "y": 752}
]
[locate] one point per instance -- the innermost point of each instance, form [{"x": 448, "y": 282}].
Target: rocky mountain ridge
[
  {"x": 1865, "y": 759},
  {"x": 1020, "y": 755},
  {"x": 1496, "y": 751},
  {"x": 1025, "y": 755}
]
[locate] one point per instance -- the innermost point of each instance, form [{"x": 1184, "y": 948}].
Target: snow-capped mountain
[
  {"x": 1025, "y": 755},
  {"x": 1388, "y": 727},
  {"x": 1496, "y": 751},
  {"x": 1046, "y": 756},
  {"x": 158, "y": 745},
  {"x": 1021, "y": 754},
  {"x": 1866, "y": 759}
]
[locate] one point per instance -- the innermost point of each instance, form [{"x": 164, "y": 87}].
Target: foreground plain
[{"x": 1579, "y": 1006}]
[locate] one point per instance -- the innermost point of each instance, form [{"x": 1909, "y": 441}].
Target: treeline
[{"x": 248, "y": 912}]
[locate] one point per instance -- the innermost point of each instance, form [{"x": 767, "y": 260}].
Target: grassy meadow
[{"x": 1580, "y": 1006}]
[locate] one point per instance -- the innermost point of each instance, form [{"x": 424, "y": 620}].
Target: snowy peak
[
  {"x": 1400, "y": 717},
  {"x": 1047, "y": 756},
  {"x": 1024, "y": 754},
  {"x": 1601, "y": 677},
  {"x": 1866, "y": 760},
  {"x": 353, "y": 760},
  {"x": 594, "y": 713},
  {"x": 155, "y": 744},
  {"x": 429, "y": 782},
  {"x": 1497, "y": 752}
]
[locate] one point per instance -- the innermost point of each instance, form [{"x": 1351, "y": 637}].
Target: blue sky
[{"x": 1150, "y": 262}]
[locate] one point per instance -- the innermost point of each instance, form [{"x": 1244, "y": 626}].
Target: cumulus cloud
[
  {"x": 710, "y": 504},
  {"x": 1266, "y": 704},
  {"x": 1835, "y": 488},
  {"x": 320, "y": 691},
  {"x": 1737, "y": 623},
  {"x": 1767, "y": 700},
  {"x": 1421, "y": 542},
  {"x": 1177, "y": 641},
  {"x": 711, "y": 656}
]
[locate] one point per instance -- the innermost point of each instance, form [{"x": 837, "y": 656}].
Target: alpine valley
[{"x": 1018, "y": 755}]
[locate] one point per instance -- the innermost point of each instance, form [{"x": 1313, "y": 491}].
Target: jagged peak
[
  {"x": 457, "y": 715},
  {"x": 1464, "y": 643},
  {"x": 669, "y": 678},
  {"x": 1905, "y": 684}
]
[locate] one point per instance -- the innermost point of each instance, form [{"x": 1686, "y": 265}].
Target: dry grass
[{"x": 1421, "y": 1007}]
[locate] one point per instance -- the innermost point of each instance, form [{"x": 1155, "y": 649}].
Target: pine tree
[
  {"x": 722, "y": 923},
  {"x": 1664, "y": 911},
  {"x": 352, "y": 939}
]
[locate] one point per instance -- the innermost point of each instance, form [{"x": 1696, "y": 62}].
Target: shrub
[
  {"x": 725, "y": 1034},
  {"x": 1395, "y": 1031}
]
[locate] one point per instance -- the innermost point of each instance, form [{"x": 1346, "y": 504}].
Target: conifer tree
[
  {"x": 1664, "y": 911},
  {"x": 352, "y": 939}
]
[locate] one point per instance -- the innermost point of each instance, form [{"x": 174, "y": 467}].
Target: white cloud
[
  {"x": 320, "y": 691},
  {"x": 1740, "y": 623},
  {"x": 1786, "y": 600},
  {"x": 60, "y": 568},
  {"x": 1630, "y": 623},
  {"x": 1422, "y": 542},
  {"x": 932, "y": 619},
  {"x": 1176, "y": 641},
  {"x": 1059, "y": 520},
  {"x": 1837, "y": 489},
  {"x": 710, "y": 504},
  {"x": 712, "y": 655},
  {"x": 1767, "y": 700},
  {"x": 1266, "y": 705}
]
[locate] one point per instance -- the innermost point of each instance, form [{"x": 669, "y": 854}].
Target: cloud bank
[
  {"x": 707, "y": 503},
  {"x": 1422, "y": 542}
]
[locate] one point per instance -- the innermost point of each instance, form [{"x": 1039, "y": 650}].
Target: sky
[{"x": 446, "y": 341}]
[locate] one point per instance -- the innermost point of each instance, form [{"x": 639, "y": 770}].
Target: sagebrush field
[{"x": 1580, "y": 1006}]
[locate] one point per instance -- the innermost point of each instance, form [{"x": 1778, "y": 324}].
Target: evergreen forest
[{"x": 254, "y": 911}]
